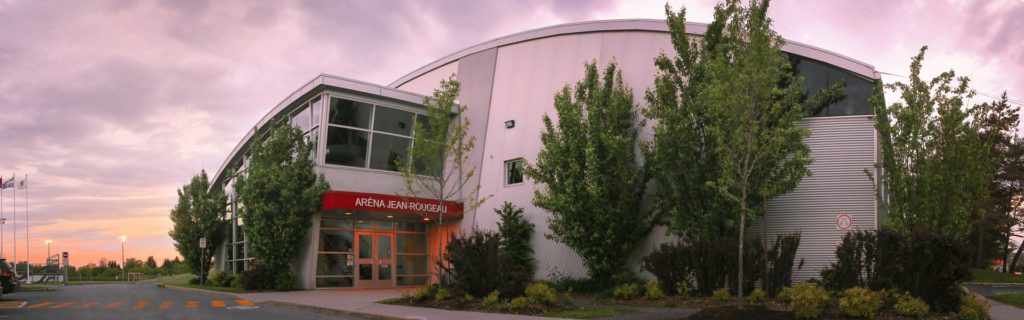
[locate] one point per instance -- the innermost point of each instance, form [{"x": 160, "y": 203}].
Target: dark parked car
[{"x": 8, "y": 277}]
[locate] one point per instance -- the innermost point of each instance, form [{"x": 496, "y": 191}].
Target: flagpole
[
  {"x": 14, "y": 224},
  {"x": 2, "y": 220}
]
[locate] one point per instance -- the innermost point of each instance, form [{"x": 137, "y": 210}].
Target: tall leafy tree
[
  {"x": 753, "y": 121},
  {"x": 590, "y": 168},
  {"x": 682, "y": 155},
  {"x": 200, "y": 213},
  {"x": 935, "y": 166},
  {"x": 279, "y": 193},
  {"x": 439, "y": 165},
  {"x": 519, "y": 265}
]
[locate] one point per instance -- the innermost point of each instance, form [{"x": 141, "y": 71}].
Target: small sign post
[{"x": 202, "y": 255}]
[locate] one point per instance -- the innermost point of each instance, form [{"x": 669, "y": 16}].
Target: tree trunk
[
  {"x": 1015, "y": 257},
  {"x": 743, "y": 216}
]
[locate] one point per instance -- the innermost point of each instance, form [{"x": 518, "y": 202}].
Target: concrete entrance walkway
[
  {"x": 362, "y": 303},
  {"x": 999, "y": 310}
]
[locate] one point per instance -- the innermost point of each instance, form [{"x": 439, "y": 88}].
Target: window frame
[
  {"x": 505, "y": 172},
  {"x": 370, "y": 131}
]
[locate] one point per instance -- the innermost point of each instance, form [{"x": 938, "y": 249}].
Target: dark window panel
[
  {"x": 346, "y": 147},
  {"x": 386, "y": 150},
  {"x": 350, "y": 113},
  {"x": 392, "y": 121}
]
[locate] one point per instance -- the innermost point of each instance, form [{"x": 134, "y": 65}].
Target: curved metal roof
[{"x": 653, "y": 25}]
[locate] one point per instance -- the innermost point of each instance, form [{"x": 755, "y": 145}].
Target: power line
[{"x": 981, "y": 93}]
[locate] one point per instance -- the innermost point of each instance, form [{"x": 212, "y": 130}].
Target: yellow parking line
[
  {"x": 88, "y": 305},
  {"x": 165, "y": 305},
  {"x": 114, "y": 304},
  {"x": 192, "y": 304},
  {"x": 217, "y": 303},
  {"x": 40, "y": 305},
  {"x": 12, "y": 304},
  {"x": 140, "y": 305},
  {"x": 244, "y": 303},
  {"x": 62, "y": 305}
]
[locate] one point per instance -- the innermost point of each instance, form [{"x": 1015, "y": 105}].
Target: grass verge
[
  {"x": 588, "y": 313},
  {"x": 1013, "y": 299},
  {"x": 989, "y": 276},
  {"x": 181, "y": 280}
]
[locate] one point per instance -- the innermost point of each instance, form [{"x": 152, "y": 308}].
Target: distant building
[{"x": 366, "y": 236}]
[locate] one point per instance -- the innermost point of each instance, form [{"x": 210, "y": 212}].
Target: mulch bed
[{"x": 745, "y": 312}]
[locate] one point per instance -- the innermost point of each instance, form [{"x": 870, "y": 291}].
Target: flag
[
  {"x": 7, "y": 184},
  {"x": 23, "y": 183}
]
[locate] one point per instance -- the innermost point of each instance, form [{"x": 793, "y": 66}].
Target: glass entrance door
[{"x": 374, "y": 260}]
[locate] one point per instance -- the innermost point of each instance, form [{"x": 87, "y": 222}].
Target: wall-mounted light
[{"x": 510, "y": 124}]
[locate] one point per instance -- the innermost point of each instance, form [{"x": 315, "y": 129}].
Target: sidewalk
[
  {"x": 362, "y": 303},
  {"x": 998, "y": 310}
]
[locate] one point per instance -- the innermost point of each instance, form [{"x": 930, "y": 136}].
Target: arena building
[{"x": 366, "y": 236}]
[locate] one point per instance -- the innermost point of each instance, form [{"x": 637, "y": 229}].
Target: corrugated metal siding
[{"x": 842, "y": 148}]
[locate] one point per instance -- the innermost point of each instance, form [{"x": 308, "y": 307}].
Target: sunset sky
[{"x": 109, "y": 106}]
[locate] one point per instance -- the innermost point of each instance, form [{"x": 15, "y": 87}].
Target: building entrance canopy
[{"x": 390, "y": 203}]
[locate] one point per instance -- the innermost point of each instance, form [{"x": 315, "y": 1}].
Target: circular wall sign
[{"x": 843, "y": 222}]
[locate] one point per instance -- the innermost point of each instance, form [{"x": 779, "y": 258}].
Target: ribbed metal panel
[
  {"x": 842, "y": 147},
  {"x": 426, "y": 83}
]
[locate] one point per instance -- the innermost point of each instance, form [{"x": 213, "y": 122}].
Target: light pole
[
  {"x": 46, "y": 265},
  {"x": 123, "y": 269}
]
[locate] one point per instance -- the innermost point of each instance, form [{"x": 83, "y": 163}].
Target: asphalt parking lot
[{"x": 138, "y": 301}]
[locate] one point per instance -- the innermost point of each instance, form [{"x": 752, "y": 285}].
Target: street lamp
[
  {"x": 48, "y": 242},
  {"x": 123, "y": 269}
]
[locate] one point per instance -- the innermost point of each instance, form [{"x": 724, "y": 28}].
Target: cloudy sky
[{"x": 109, "y": 106}]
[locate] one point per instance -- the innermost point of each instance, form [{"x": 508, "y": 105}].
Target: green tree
[
  {"x": 279, "y": 193},
  {"x": 935, "y": 166},
  {"x": 752, "y": 120},
  {"x": 150, "y": 262},
  {"x": 200, "y": 212},
  {"x": 439, "y": 166},
  {"x": 590, "y": 168},
  {"x": 519, "y": 265}
]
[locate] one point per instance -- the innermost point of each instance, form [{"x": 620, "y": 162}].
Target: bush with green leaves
[
  {"x": 670, "y": 263},
  {"x": 909, "y": 306},
  {"x": 807, "y": 300},
  {"x": 517, "y": 265},
  {"x": 722, "y": 294},
  {"x": 236, "y": 281},
  {"x": 443, "y": 294},
  {"x": 541, "y": 293},
  {"x": 627, "y": 291},
  {"x": 652, "y": 291},
  {"x": 425, "y": 293},
  {"x": 860, "y": 302},
  {"x": 257, "y": 278},
  {"x": 683, "y": 289},
  {"x": 472, "y": 262},
  {"x": 492, "y": 300},
  {"x": 518, "y": 303},
  {"x": 710, "y": 263},
  {"x": 971, "y": 308},
  {"x": 756, "y": 296}
]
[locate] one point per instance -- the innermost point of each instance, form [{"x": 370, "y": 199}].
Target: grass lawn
[
  {"x": 588, "y": 313},
  {"x": 181, "y": 280},
  {"x": 989, "y": 276},
  {"x": 1014, "y": 299}
]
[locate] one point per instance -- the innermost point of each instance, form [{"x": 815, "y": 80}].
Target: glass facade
[
  {"x": 344, "y": 240},
  {"x": 819, "y": 75},
  {"x": 365, "y": 135}
]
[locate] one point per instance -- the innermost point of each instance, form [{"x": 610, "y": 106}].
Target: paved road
[
  {"x": 997, "y": 288},
  {"x": 137, "y": 301}
]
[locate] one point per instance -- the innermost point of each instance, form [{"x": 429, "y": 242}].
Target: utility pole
[{"x": 124, "y": 269}]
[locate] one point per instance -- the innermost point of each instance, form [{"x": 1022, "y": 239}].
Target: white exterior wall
[{"x": 426, "y": 83}]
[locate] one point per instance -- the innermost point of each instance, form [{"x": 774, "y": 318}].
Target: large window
[
  {"x": 307, "y": 119},
  {"x": 364, "y": 135},
  {"x": 818, "y": 75},
  {"x": 334, "y": 260}
]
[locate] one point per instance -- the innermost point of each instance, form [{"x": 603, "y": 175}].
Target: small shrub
[
  {"x": 406, "y": 296},
  {"x": 473, "y": 262},
  {"x": 193, "y": 281},
  {"x": 652, "y": 291},
  {"x": 442, "y": 294},
  {"x": 807, "y": 300},
  {"x": 627, "y": 291},
  {"x": 236, "y": 281},
  {"x": 972, "y": 309},
  {"x": 518, "y": 303},
  {"x": 756, "y": 296},
  {"x": 467, "y": 298},
  {"x": 860, "y": 302},
  {"x": 722, "y": 294},
  {"x": 257, "y": 278},
  {"x": 541, "y": 293},
  {"x": 518, "y": 265},
  {"x": 492, "y": 300},
  {"x": 785, "y": 295},
  {"x": 215, "y": 279},
  {"x": 670, "y": 263},
  {"x": 683, "y": 289},
  {"x": 425, "y": 293},
  {"x": 285, "y": 281},
  {"x": 909, "y": 306}
]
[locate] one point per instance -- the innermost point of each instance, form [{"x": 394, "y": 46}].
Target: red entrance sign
[{"x": 389, "y": 203}]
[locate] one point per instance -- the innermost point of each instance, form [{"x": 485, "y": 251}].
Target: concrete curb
[
  {"x": 331, "y": 312},
  {"x": 288, "y": 305},
  {"x": 996, "y": 283}
]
